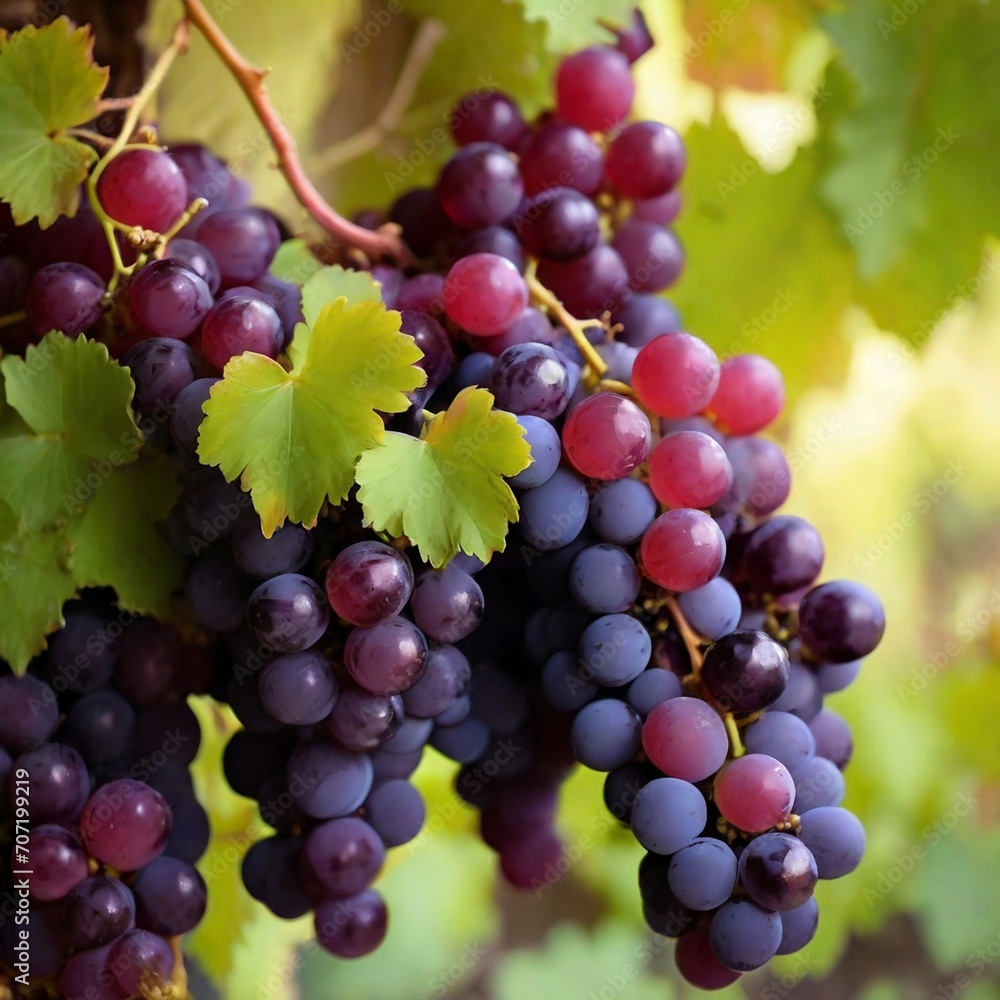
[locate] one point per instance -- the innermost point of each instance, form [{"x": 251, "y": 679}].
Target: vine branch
[
  {"x": 426, "y": 40},
  {"x": 385, "y": 242},
  {"x": 596, "y": 368}
]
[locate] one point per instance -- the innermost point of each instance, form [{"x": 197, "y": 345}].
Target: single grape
[
  {"x": 818, "y": 784},
  {"x": 288, "y": 613},
  {"x": 606, "y": 734},
  {"x": 298, "y": 689},
  {"x": 271, "y": 873},
  {"x": 496, "y": 240},
  {"x": 170, "y": 897},
  {"x": 208, "y": 177},
  {"x": 168, "y": 299},
  {"x": 683, "y": 549},
  {"x": 561, "y": 155},
  {"x": 644, "y": 318},
  {"x": 86, "y": 976},
  {"x": 368, "y": 583},
  {"x": 70, "y": 669},
  {"x": 447, "y": 604},
  {"x": 139, "y": 960},
  {"x": 668, "y": 815},
  {"x": 744, "y": 936},
  {"x": 480, "y": 186},
  {"x": 833, "y": 738},
  {"x": 428, "y": 334},
  {"x": 836, "y": 839},
  {"x": 606, "y": 436},
  {"x": 463, "y": 742},
  {"x": 196, "y": 258},
  {"x": 243, "y": 242},
  {"x": 783, "y": 555},
  {"x": 351, "y": 927},
  {"x": 125, "y": 824},
  {"x": 411, "y": 736},
  {"x": 287, "y": 550},
  {"x": 750, "y": 394},
  {"x": 484, "y": 294},
  {"x": 58, "y": 861},
  {"x": 713, "y": 610},
  {"x": 685, "y": 738},
  {"x": 590, "y": 285},
  {"x": 703, "y": 874},
  {"x": 239, "y": 324},
  {"x": 530, "y": 379},
  {"x": 841, "y": 621},
  {"x": 652, "y": 687},
  {"x": 97, "y": 910},
  {"x": 361, "y": 720},
  {"x": 65, "y": 296},
  {"x": 161, "y": 367},
  {"x": 778, "y": 871},
  {"x": 676, "y": 375},
  {"x": 99, "y": 725},
  {"x": 833, "y": 677},
  {"x": 546, "y": 450},
  {"x": 645, "y": 160},
  {"x": 653, "y": 255},
  {"x": 395, "y": 811},
  {"x": 29, "y": 712},
  {"x": 615, "y": 649},
  {"x": 604, "y": 579},
  {"x": 58, "y": 783},
  {"x": 344, "y": 855},
  {"x": 761, "y": 479},
  {"x": 689, "y": 469},
  {"x": 486, "y": 117},
  {"x": 745, "y": 671},
  {"x": 594, "y": 88},
  {"x": 567, "y": 683},
  {"x": 754, "y": 792},
  {"x": 386, "y": 658},
  {"x": 558, "y": 223},
  {"x": 422, "y": 219},
  {"x": 621, "y": 511},
  {"x": 798, "y": 926},
  {"x": 143, "y": 187},
  {"x": 188, "y": 412},
  {"x": 334, "y": 781}
]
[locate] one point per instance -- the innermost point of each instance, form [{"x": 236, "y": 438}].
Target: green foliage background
[{"x": 840, "y": 213}]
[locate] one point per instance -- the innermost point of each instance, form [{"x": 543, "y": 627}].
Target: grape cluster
[
  {"x": 98, "y": 805},
  {"x": 652, "y": 616}
]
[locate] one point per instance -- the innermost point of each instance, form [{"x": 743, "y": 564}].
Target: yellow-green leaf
[
  {"x": 116, "y": 542},
  {"x": 578, "y": 24},
  {"x": 331, "y": 283},
  {"x": 48, "y": 83},
  {"x": 445, "y": 491},
  {"x": 34, "y": 583},
  {"x": 69, "y": 425},
  {"x": 294, "y": 262},
  {"x": 295, "y": 437}
]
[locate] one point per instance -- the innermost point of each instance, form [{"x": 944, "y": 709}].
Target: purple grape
[
  {"x": 562, "y": 155},
  {"x": 368, "y": 583},
  {"x": 395, "y": 811},
  {"x": 386, "y": 658},
  {"x": 150, "y": 657},
  {"x": 652, "y": 255},
  {"x": 422, "y": 219},
  {"x": 334, "y": 781},
  {"x": 606, "y": 734},
  {"x": 653, "y": 686},
  {"x": 351, "y": 927},
  {"x": 98, "y": 910},
  {"x": 168, "y": 299},
  {"x": 798, "y": 926},
  {"x": 546, "y": 450},
  {"x": 645, "y": 160},
  {"x": 195, "y": 258},
  {"x": 217, "y": 591},
  {"x": 668, "y": 815},
  {"x": 125, "y": 824},
  {"x": 139, "y": 960},
  {"x": 486, "y": 117},
  {"x": 833, "y": 738},
  {"x": 495, "y": 240},
  {"x": 57, "y": 784},
  {"x": 345, "y": 855},
  {"x": 237, "y": 324},
  {"x": 841, "y": 621},
  {"x": 298, "y": 689},
  {"x": 86, "y": 976},
  {"x": 529, "y": 379},
  {"x": 447, "y": 604},
  {"x": 428, "y": 334},
  {"x": 160, "y": 367},
  {"x": 100, "y": 726},
  {"x": 361, "y": 720},
  {"x": 445, "y": 680},
  {"x": 745, "y": 671},
  {"x": 591, "y": 285},
  {"x": 782, "y": 736},
  {"x": 644, "y": 317},
  {"x": 778, "y": 871},
  {"x": 703, "y": 874},
  {"x": 188, "y": 412},
  {"x": 243, "y": 242},
  {"x": 553, "y": 514},
  {"x": 66, "y": 297},
  {"x": 287, "y": 550},
  {"x": 170, "y": 897},
  {"x": 604, "y": 579},
  {"x": 558, "y": 223},
  {"x": 143, "y": 187},
  {"x": 480, "y": 186},
  {"x": 836, "y": 839},
  {"x": 289, "y": 613},
  {"x": 208, "y": 177},
  {"x": 58, "y": 861},
  {"x": 784, "y": 554},
  {"x": 744, "y": 936},
  {"x": 29, "y": 712}
]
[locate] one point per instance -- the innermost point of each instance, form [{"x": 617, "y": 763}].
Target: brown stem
[
  {"x": 428, "y": 37},
  {"x": 11, "y": 318},
  {"x": 385, "y": 242},
  {"x": 691, "y": 640}
]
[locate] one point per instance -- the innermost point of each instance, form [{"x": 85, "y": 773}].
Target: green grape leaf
[
  {"x": 34, "y": 583},
  {"x": 294, "y": 262},
  {"x": 771, "y": 230},
  {"x": 331, "y": 283},
  {"x": 116, "y": 543},
  {"x": 910, "y": 140},
  {"x": 295, "y": 437},
  {"x": 48, "y": 83},
  {"x": 68, "y": 427},
  {"x": 445, "y": 491},
  {"x": 578, "y": 24}
]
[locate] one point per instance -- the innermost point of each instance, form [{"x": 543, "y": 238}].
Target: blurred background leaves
[{"x": 840, "y": 209}]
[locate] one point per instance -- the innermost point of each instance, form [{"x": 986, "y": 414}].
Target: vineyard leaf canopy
[
  {"x": 49, "y": 83},
  {"x": 294, "y": 437},
  {"x": 445, "y": 491},
  {"x": 67, "y": 426}
]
